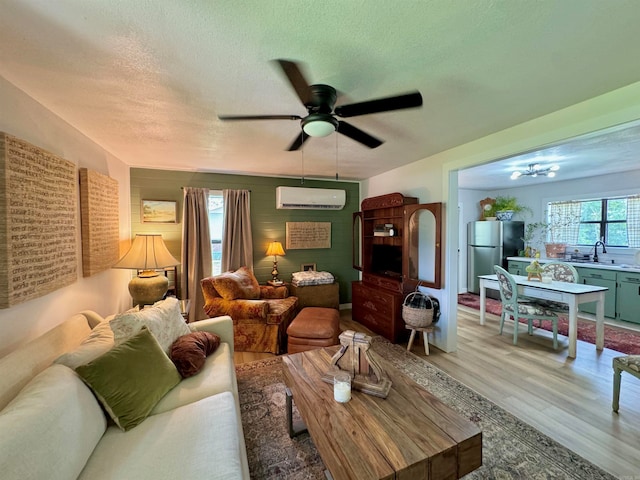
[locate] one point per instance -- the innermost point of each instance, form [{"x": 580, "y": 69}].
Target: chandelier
[{"x": 535, "y": 170}]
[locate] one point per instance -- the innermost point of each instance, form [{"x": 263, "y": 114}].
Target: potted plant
[
  {"x": 549, "y": 232},
  {"x": 506, "y": 206},
  {"x": 533, "y": 233}
]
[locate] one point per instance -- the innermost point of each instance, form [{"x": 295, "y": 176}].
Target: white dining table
[{"x": 572, "y": 294}]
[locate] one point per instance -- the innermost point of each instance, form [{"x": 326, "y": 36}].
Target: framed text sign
[{"x": 305, "y": 235}]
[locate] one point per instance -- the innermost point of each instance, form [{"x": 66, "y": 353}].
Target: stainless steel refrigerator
[{"x": 488, "y": 244}]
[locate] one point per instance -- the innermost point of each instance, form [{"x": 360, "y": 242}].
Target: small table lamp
[
  {"x": 147, "y": 253},
  {"x": 275, "y": 249}
]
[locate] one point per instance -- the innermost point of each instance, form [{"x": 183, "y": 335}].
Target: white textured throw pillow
[
  {"x": 164, "y": 320},
  {"x": 99, "y": 341}
]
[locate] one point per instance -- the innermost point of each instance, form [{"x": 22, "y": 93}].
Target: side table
[
  {"x": 325, "y": 295},
  {"x": 184, "y": 309}
]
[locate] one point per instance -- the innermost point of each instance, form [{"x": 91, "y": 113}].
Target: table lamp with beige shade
[
  {"x": 147, "y": 253},
  {"x": 275, "y": 249}
]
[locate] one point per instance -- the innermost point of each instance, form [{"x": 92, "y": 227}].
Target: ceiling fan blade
[
  {"x": 296, "y": 79},
  {"x": 297, "y": 143},
  {"x": 259, "y": 117},
  {"x": 398, "y": 102},
  {"x": 358, "y": 135}
]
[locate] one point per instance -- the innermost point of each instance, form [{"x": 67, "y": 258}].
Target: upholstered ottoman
[{"x": 313, "y": 327}]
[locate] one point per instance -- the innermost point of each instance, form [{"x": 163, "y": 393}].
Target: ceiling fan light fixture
[{"x": 319, "y": 125}]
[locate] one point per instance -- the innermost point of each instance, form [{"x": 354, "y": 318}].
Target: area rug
[
  {"x": 618, "y": 339},
  {"x": 512, "y": 449}
]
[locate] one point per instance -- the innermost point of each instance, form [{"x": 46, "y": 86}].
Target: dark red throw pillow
[{"x": 190, "y": 351}]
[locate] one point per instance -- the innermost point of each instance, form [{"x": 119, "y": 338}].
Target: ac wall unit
[{"x": 310, "y": 198}]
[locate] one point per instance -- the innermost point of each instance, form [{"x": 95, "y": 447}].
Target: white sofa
[{"x": 52, "y": 427}]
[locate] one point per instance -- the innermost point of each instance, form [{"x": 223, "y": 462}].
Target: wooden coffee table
[{"x": 408, "y": 435}]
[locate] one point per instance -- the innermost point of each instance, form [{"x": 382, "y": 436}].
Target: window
[
  {"x": 584, "y": 222},
  {"x": 215, "y": 228}
]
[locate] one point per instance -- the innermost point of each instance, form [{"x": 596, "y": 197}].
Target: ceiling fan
[{"x": 319, "y": 101}]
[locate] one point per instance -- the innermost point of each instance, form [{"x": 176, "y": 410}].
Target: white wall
[
  {"x": 105, "y": 292},
  {"x": 435, "y": 178}
]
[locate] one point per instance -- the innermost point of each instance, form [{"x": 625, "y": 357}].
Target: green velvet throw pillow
[{"x": 131, "y": 378}]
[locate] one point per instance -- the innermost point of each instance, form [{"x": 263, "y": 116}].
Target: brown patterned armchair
[{"x": 261, "y": 314}]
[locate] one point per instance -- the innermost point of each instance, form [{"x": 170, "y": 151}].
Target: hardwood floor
[
  {"x": 568, "y": 400},
  {"x": 246, "y": 357}
]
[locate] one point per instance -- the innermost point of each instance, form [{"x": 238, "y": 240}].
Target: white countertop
[{"x": 620, "y": 267}]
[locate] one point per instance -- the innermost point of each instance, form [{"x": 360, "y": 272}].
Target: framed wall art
[
  {"x": 99, "y": 220},
  {"x": 308, "y": 267},
  {"x": 39, "y": 211},
  {"x": 159, "y": 211},
  {"x": 301, "y": 235}
]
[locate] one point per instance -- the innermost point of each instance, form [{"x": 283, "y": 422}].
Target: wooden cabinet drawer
[
  {"x": 379, "y": 310},
  {"x": 378, "y": 324},
  {"x": 373, "y": 302},
  {"x": 383, "y": 282}
]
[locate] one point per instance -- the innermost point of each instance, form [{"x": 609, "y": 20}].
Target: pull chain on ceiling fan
[
  {"x": 302, "y": 161},
  {"x": 320, "y": 99},
  {"x": 336, "y": 158}
]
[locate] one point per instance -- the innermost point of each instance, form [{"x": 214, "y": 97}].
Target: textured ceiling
[
  {"x": 613, "y": 150},
  {"x": 147, "y": 79}
]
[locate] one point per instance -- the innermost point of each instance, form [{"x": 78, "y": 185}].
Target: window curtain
[
  {"x": 196, "y": 248},
  {"x": 237, "y": 240},
  {"x": 564, "y": 219},
  {"x": 633, "y": 221}
]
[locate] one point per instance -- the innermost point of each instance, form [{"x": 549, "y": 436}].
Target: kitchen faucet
[{"x": 595, "y": 250}]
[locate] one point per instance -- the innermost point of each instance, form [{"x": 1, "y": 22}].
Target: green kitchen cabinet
[
  {"x": 601, "y": 278},
  {"x": 628, "y": 297},
  {"x": 517, "y": 268}
]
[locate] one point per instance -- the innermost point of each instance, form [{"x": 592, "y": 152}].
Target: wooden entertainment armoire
[{"x": 397, "y": 245}]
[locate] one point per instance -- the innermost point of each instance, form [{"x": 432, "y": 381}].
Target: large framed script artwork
[
  {"x": 100, "y": 223},
  {"x": 39, "y": 211}
]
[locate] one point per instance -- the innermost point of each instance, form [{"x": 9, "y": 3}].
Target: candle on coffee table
[{"x": 342, "y": 387}]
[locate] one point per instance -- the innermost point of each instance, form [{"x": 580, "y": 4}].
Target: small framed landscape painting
[
  {"x": 308, "y": 267},
  {"x": 159, "y": 211}
]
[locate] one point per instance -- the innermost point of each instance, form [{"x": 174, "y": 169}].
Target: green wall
[{"x": 268, "y": 223}]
